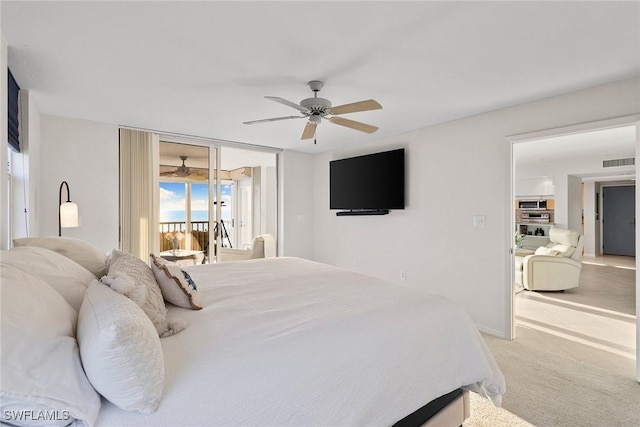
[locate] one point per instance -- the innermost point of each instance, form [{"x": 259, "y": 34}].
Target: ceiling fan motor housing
[{"x": 316, "y": 106}]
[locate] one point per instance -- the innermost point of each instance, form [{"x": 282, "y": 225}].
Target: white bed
[
  {"x": 278, "y": 342},
  {"x": 285, "y": 341}
]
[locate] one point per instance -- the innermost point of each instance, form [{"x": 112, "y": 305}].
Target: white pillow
[
  {"x": 123, "y": 263},
  {"x": 41, "y": 368},
  {"x": 120, "y": 350},
  {"x": 176, "y": 285},
  {"x": 85, "y": 254},
  {"x": 543, "y": 250},
  {"x": 64, "y": 275}
]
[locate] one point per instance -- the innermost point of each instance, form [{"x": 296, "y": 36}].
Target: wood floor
[{"x": 594, "y": 323}]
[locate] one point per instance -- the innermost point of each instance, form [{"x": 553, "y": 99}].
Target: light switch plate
[{"x": 479, "y": 221}]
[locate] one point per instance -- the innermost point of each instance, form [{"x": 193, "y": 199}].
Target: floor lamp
[{"x": 67, "y": 211}]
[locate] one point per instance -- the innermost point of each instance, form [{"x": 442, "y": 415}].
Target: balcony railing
[{"x": 199, "y": 234}]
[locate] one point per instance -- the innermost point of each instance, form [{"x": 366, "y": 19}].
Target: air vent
[{"x": 619, "y": 162}]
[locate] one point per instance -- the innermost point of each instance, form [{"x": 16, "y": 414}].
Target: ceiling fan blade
[
  {"x": 287, "y": 103},
  {"x": 199, "y": 177},
  {"x": 363, "y": 127},
  {"x": 309, "y": 131},
  {"x": 170, "y": 173},
  {"x": 354, "y": 107},
  {"x": 275, "y": 119}
]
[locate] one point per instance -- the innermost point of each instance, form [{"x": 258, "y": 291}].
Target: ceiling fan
[
  {"x": 315, "y": 109},
  {"x": 184, "y": 171}
]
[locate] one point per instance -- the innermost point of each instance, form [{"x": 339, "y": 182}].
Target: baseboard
[{"x": 491, "y": 331}]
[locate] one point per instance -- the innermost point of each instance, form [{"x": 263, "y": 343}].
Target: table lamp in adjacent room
[{"x": 67, "y": 211}]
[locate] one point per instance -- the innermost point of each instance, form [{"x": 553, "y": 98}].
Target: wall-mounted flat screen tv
[{"x": 367, "y": 185}]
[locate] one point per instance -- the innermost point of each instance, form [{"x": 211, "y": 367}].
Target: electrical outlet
[
  {"x": 353, "y": 265},
  {"x": 403, "y": 275}
]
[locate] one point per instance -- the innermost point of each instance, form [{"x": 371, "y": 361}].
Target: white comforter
[{"x": 284, "y": 341}]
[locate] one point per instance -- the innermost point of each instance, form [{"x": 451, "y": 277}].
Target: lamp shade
[{"x": 68, "y": 215}]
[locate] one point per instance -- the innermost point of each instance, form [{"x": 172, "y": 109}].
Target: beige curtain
[{"x": 139, "y": 192}]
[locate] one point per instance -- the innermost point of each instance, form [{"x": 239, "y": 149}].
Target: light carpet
[
  {"x": 549, "y": 390},
  {"x": 485, "y": 414}
]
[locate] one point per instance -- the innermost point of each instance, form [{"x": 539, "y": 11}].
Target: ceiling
[{"x": 202, "y": 68}]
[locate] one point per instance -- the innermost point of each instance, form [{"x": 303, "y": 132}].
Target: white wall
[
  {"x": 85, "y": 154},
  {"x": 295, "y": 180},
  {"x": 33, "y": 151},
  {"x": 270, "y": 199},
  {"x": 4, "y": 158},
  {"x": 574, "y": 203},
  {"x": 455, "y": 170}
]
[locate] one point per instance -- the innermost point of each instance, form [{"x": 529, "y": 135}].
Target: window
[{"x": 13, "y": 108}]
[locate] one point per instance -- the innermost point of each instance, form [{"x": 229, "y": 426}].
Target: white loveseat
[
  {"x": 263, "y": 246},
  {"x": 554, "y": 267}
]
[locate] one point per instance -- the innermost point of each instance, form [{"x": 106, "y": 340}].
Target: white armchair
[
  {"x": 554, "y": 267},
  {"x": 263, "y": 246}
]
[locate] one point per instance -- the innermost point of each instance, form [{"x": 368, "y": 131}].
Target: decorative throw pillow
[
  {"x": 64, "y": 275},
  {"x": 176, "y": 285},
  {"x": 125, "y": 285},
  {"x": 123, "y": 263},
  {"x": 85, "y": 254},
  {"x": 120, "y": 349},
  {"x": 41, "y": 368}
]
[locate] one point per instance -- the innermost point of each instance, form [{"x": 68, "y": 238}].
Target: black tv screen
[{"x": 371, "y": 182}]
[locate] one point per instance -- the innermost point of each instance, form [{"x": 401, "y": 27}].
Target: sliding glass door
[
  {"x": 184, "y": 201},
  {"x": 212, "y": 197}
]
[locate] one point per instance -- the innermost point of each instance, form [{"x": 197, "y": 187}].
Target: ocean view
[
  {"x": 173, "y": 202},
  {"x": 180, "y": 216}
]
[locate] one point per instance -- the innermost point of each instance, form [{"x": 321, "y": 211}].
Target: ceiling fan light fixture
[
  {"x": 183, "y": 170},
  {"x": 315, "y": 119}
]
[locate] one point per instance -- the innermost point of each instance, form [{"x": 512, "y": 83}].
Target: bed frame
[{"x": 449, "y": 410}]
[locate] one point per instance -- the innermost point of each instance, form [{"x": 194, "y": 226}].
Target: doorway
[
  {"x": 577, "y": 211},
  {"x": 619, "y": 220}
]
